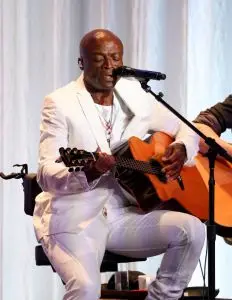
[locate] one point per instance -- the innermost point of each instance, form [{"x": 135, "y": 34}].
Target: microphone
[{"x": 139, "y": 74}]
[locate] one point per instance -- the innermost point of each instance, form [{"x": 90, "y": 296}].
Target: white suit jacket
[{"x": 70, "y": 119}]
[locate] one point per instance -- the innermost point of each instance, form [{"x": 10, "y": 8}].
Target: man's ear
[{"x": 80, "y": 63}]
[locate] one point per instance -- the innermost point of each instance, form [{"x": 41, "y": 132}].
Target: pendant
[{"x": 108, "y": 126}]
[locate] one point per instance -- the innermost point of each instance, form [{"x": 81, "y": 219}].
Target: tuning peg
[
  {"x": 74, "y": 151},
  {"x": 61, "y": 150}
]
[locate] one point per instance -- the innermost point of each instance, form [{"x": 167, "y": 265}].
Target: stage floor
[{"x": 141, "y": 294}]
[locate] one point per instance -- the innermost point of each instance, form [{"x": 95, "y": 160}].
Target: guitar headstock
[{"x": 76, "y": 159}]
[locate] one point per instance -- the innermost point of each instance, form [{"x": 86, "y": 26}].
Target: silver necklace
[{"x": 107, "y": 124}]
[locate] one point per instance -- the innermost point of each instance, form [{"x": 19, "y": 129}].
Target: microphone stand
[{"x": 214, "y": 150}]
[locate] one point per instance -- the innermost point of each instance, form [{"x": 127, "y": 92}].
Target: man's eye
[
  {"x": 116, "y": 58},
  {"x": 98, "y": 59}
]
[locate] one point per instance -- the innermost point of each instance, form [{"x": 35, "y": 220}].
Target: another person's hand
[
  {"x": 203, "y": 147},
  {"x": 174, "y": 159}
]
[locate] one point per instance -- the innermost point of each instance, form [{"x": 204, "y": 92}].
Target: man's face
[{"x": 99, "y": 59}]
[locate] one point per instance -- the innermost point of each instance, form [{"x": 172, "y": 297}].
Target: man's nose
[{"x": 108, "y": 63}]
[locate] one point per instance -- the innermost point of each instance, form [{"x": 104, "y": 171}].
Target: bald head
[
  {"x": 98, "y": 36},
  {"x": 101, "y": 51}
]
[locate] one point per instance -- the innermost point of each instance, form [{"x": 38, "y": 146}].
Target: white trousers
[{"x": 77, "y": 257}]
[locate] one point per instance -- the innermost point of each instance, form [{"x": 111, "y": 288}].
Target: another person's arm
[
  {"x": 215, "y": 120},
  {"x": 209, "y": 132}
]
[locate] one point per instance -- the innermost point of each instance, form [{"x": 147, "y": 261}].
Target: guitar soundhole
[{"x": 157, "y": 165}]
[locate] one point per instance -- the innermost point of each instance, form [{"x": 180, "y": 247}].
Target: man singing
[{"x": 81, "y": 214}]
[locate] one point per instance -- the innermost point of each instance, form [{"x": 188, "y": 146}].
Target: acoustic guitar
[{"x": 139, "y": 171}]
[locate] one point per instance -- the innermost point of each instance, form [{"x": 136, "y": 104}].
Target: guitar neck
[{"x": 136, "y": 165}]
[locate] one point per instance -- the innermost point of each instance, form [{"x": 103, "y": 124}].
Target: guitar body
[
  {"x": 223, "y": 192},
  {"x": 194, "y": 197}
]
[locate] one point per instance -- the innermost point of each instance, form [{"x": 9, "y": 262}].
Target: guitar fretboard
[{"x": 138, "y": 165}]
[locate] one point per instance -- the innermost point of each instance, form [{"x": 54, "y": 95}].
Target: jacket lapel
[
  {"x": 91, "y": 114},
  {"x": 132, "y": 95}
]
